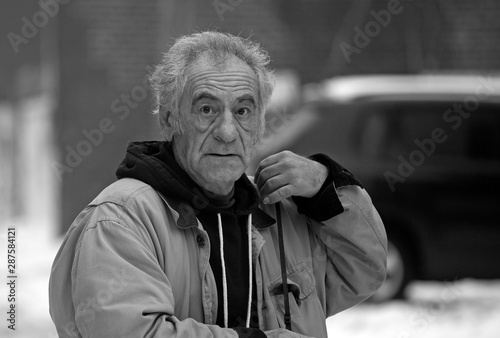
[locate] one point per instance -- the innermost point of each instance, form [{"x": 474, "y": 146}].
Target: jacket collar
[{"x": 185, "y": 216}]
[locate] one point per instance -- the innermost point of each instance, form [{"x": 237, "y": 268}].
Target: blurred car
[{"x": 427, "y": 149}]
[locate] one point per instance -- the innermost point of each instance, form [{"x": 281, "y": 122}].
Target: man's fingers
[
  {"x": 269, "y": 161},
  {"x": 282, "y": 175},
  {"x": 267, "y": 174},
  {"x": 270, "y": 185},
  {"x": 279, "y": 195}
]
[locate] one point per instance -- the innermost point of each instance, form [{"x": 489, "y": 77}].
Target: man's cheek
[
  {"x": 252, "y": 133},
  {"x": 255, "y": 137},
  {"x": 200, "y": 123}
]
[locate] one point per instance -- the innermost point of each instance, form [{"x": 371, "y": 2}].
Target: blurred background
[{"x": 73, "y": 93}]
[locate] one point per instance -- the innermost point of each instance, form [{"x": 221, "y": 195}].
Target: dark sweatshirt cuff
[
  {"x": 249, "y": 332},
  {"x": 326, "y": 203}
]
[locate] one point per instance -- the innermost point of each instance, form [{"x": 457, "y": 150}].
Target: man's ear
[{"x": 167, "y": 124}]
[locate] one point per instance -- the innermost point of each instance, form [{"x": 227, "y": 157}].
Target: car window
[
  {"x": 388, "y": 131},
  {"x": 419, "y": 125},
  {"x": 483, "y": 132},
  {"x": 372, "y": 135}
]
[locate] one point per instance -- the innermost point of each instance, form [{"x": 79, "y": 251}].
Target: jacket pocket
[
  {"x": 301, "y": 283},
  {"x": 305, "y": 309}
]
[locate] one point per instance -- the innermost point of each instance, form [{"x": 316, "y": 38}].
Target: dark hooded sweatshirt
[{"x": 153, "y": 163}]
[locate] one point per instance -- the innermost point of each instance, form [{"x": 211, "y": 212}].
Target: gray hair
[{"x": 169, "y": 77}]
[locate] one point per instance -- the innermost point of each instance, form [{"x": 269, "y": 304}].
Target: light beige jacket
[{"x": 131, "y": 266}]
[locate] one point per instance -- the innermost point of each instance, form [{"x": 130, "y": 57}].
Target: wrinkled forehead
[{"x": 229, "y": 74}]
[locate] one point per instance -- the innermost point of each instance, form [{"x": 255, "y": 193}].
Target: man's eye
[
  {"x": 242, "y": 111},
  {"x": 207, "y": 110}
]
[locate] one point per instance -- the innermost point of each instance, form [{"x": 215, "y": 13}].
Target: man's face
[{"x": 220, "y": 123}]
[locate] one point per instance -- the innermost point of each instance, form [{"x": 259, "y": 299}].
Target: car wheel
[{"x": 398, "y": 272}]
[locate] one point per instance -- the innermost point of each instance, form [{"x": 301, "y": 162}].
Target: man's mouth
[{"x": 222, "y": 155}]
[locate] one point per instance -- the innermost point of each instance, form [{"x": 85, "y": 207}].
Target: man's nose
[{"x": 226, "y": 128}]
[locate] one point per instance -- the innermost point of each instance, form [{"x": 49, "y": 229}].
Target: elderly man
[{"x": 184, "y": 244}]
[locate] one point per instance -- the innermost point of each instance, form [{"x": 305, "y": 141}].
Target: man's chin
[
  {"x": 219, "y": 185},
  {"x": 221, "y": 180},
  {"x": 224, "y": 177},
  {"x": 229, "y": 163}
]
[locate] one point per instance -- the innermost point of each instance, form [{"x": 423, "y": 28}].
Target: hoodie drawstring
[
  {"x": 250, "y": 269},
  {"x": 223, "y": 264},
  {"x": 224, "y": 277}
]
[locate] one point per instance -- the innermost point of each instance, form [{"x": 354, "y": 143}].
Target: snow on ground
[
  {"x": 458, "y": 309},
  {"x": 35, "y": 253}
]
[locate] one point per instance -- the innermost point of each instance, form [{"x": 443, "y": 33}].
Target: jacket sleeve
[
  {"x": 350, "y": 243},
  {"x": 120, "y": 290}
]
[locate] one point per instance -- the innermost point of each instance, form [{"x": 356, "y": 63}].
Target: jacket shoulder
[{"x": 123, "y": 192}]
